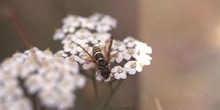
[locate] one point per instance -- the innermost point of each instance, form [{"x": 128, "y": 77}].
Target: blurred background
[{"x": 184, "y": 36}]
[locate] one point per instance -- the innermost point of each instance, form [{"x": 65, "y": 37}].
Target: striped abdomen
[
  {"x": 97, "y": 53},
  {"x": 102, "y": 63}
]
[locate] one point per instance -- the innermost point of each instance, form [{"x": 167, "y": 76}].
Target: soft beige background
[{"x": 185, "y": 37}]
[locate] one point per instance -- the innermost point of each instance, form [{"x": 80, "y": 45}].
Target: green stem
[
  {"x": 96, "y": 105},
  {"x": 112, "y": 93},
  {"x": 85, "y": 74},
  {"x": 42, "y": 108},
  {"x": 35, "y": 102}
]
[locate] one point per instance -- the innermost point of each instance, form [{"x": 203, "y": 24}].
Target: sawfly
[{"x": 101, "y": 61}]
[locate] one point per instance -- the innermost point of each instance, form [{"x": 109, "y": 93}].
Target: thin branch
[
  {"x": 157, "y": 102},
  {"x": 26, "y": 39},
  {"x": 85, "y": 74},
  {"x": 112, "y": 93},
  {"x": 95, "y": 87},
  {"x": 21, "y": 32}
]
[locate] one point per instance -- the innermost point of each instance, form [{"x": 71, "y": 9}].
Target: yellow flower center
[
  {"x": 130, "y": 51},
  {"x": 133, "y": 65},
  {"x": 120, "y": 70}
]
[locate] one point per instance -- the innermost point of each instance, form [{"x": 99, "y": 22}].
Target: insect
[{"x": 102, "y": 62}]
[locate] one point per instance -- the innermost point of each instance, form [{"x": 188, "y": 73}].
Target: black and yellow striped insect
[{"x": 101, "y": 61}]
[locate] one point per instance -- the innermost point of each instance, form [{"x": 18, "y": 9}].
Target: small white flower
[
  {"x": 71, "y": 19},
  {"x": 128, "y": 53},
  {"x": 99, "y": 38},
  {"x": 118, "y": 45},
  {"x": 4, "y": 105},
  {"x": 88, "y": 23},
  {"x": 67, "y": 39},
  {"x": 27, "y": 70},
  {"x": 18, "y": 57},
  {"x": 83, "y": 54},
  {"x": 81, "y": 36},
  {"x": 130, "y": 42},
  {"x": 74, "y": 58},
  {"x": 88, "y": 65},
  {"x": 109, "y": 20},
  {"x": 68, "y": 28},
  {"x": 103, "y": 27},
  {"x": 132, "y": 66},
  {"x": 21, "y": 104},
  {"x": 59, "y": 34},
  {"x": 139, "y": 66},
  {"x": 95, "y": 38},
  {"x": 49, "y": 97},
  {"x": 65, "y": 100},
  {"x": 119, "y": 72},
  {"x": 33, "y": 83},
  {"x": 8, "y": 80},
  {"x": 143, "y": 59},
  {"x": 66, "y": 83},
  {"x": 118, "y": 56},
  {"x": 143, "y": 48},
  {"x": 70, "y": 47},
  {"x": 80, "y": 81},
  {"x": 83, "y": 32},
  {"x": 11, "y": 94},
  {"x": 96, "y": 16},
  {"x": 104, "y": 36},
  {"x": 61, "y": 53}
]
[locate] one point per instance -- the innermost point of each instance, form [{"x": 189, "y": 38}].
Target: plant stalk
[
  {"x": 96, "y": 95},
  {"x": 112, "y": 93}
]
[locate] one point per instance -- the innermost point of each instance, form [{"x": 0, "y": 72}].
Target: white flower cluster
[
  {"x": 96, "y": 22},
  {"x": 50, "y": 77},
  {"x": 127, "y": 56}
]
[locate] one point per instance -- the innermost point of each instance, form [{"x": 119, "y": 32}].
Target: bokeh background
[{"x": 184, "y": 36}]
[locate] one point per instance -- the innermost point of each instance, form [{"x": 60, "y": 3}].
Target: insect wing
[{"x": 107, "y": 48}]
